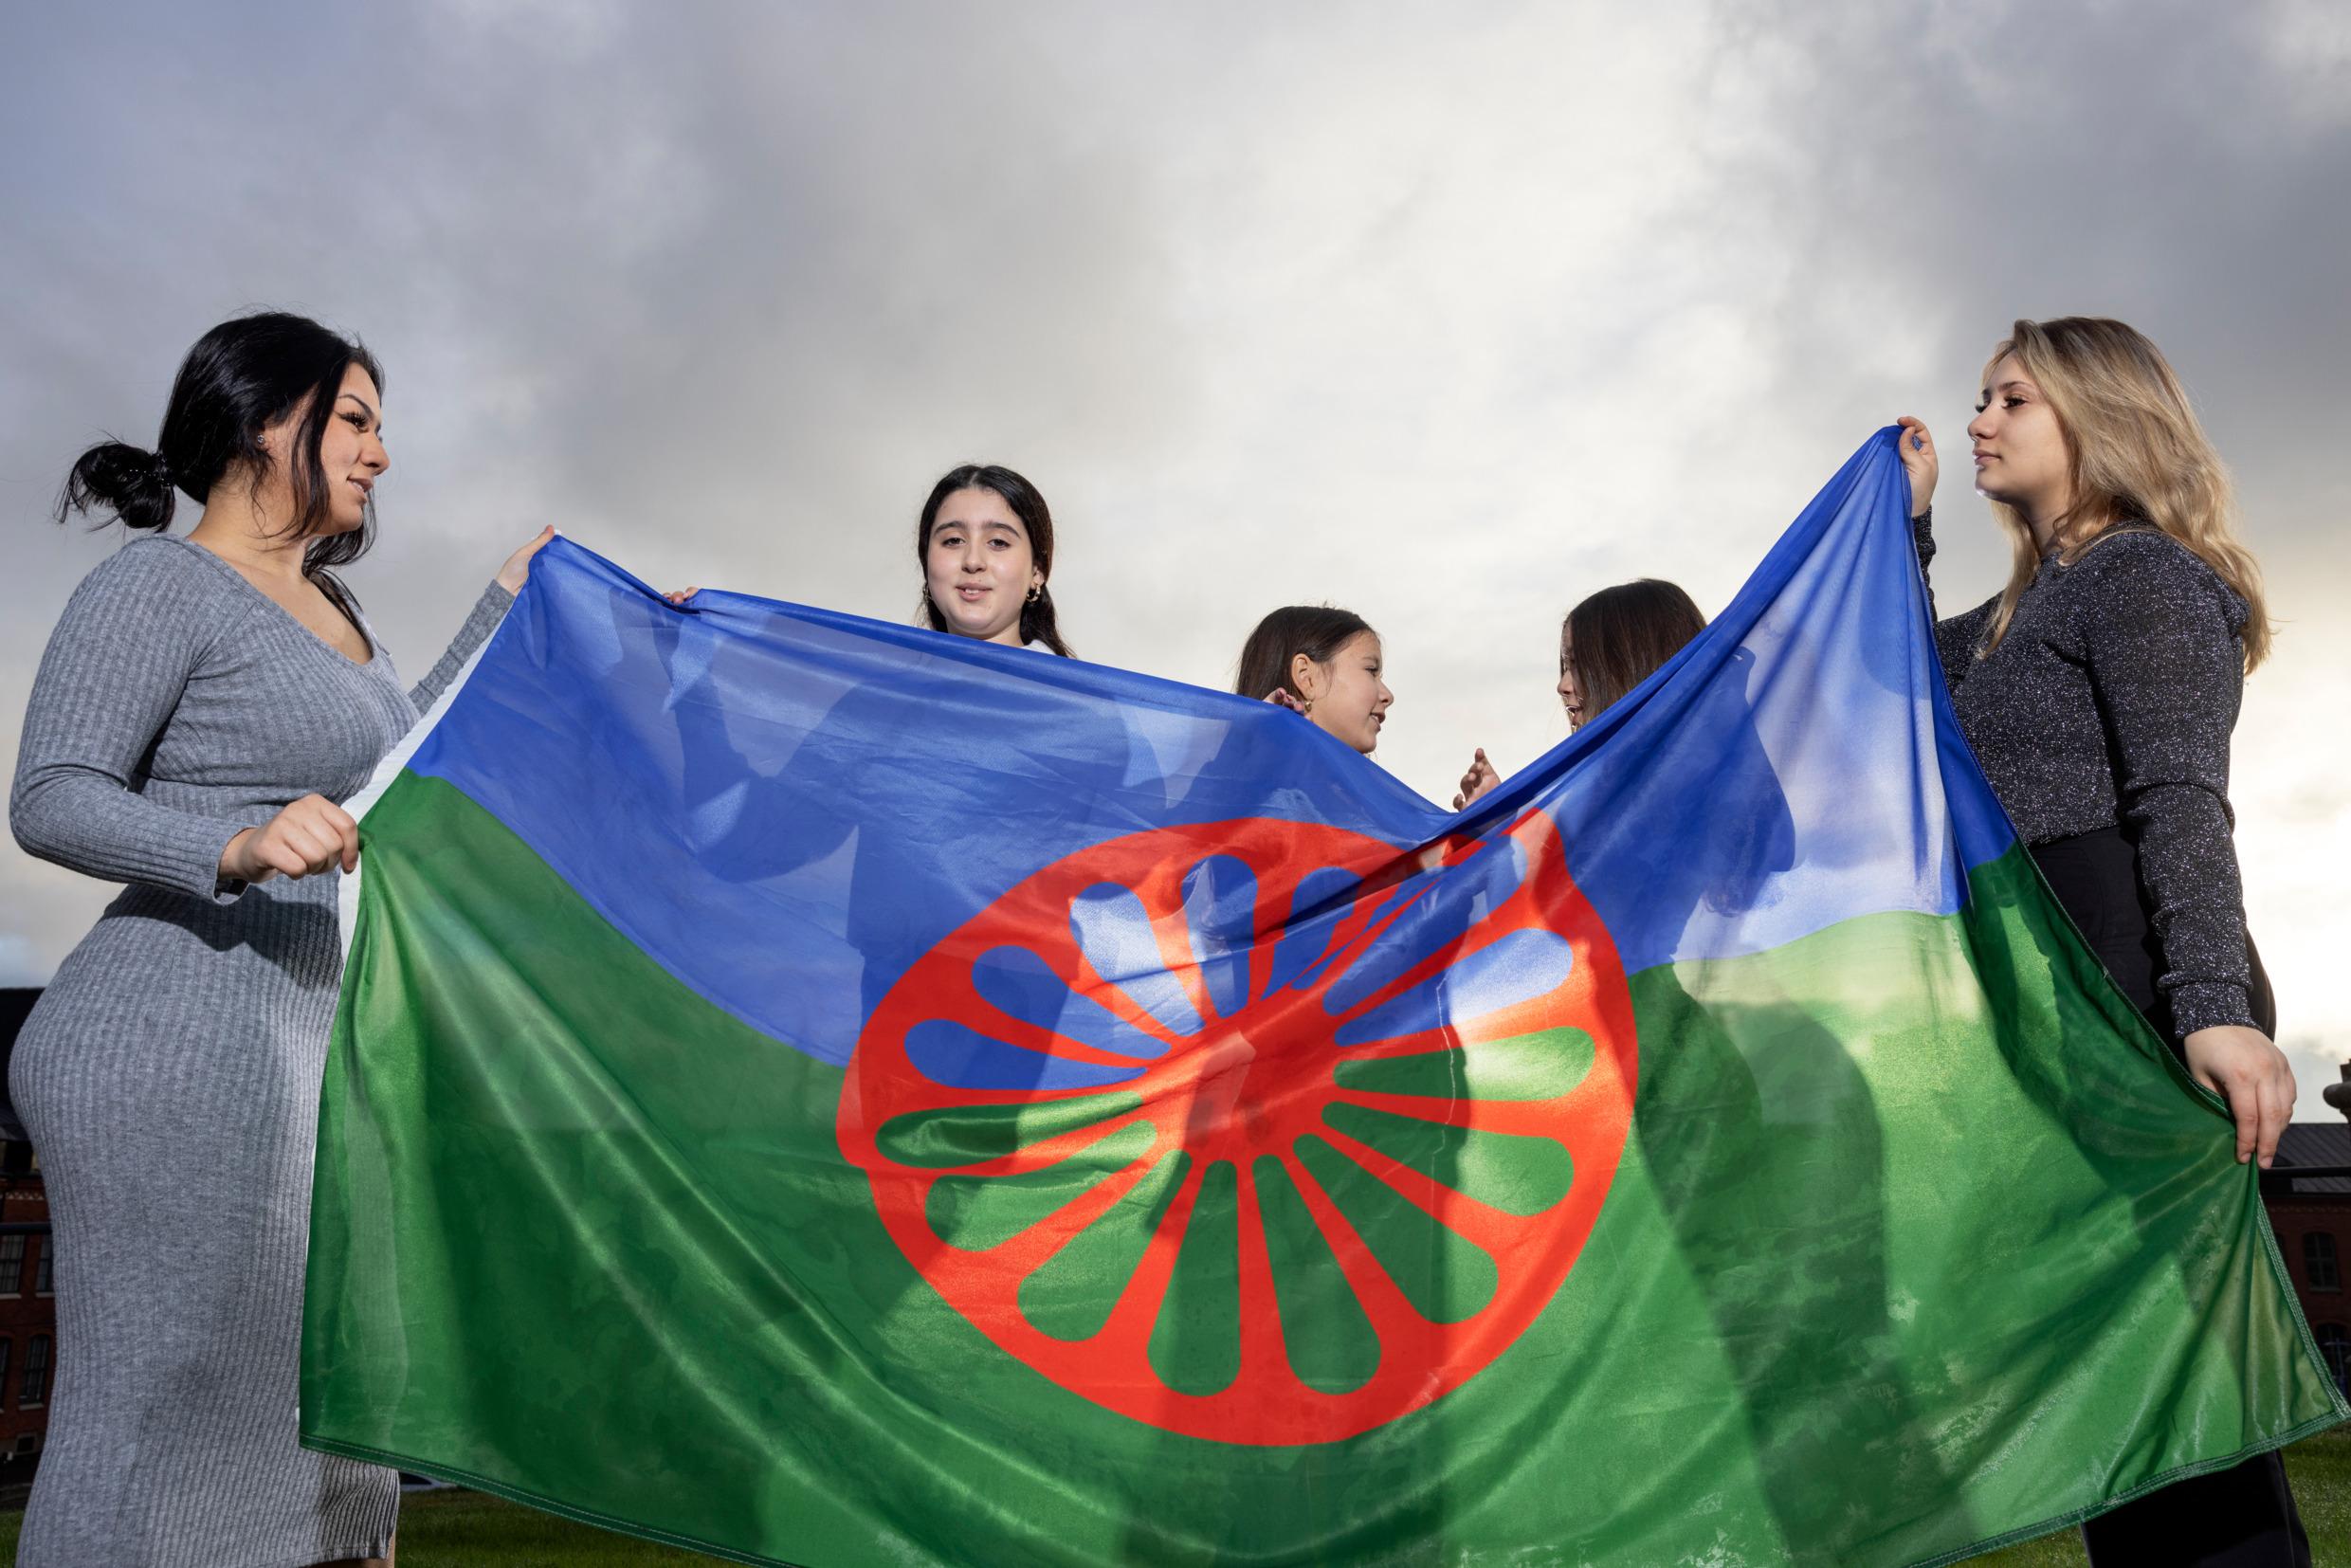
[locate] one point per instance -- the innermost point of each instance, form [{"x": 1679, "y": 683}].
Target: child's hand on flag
[{"x": 1480, "y": 778}]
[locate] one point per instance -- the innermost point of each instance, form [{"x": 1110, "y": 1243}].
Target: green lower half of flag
[{"x": 1919, "y": 1240}]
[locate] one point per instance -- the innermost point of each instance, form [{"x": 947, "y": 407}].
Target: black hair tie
[{"x": 159, "y": 470}]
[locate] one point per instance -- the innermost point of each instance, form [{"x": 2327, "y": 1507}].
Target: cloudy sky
[{"x": 1450, "y": 314}]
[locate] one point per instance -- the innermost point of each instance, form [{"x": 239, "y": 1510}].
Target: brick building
[
  {"x": 2313, "y": 1218},
  {"x": 27, "y": 1310}
]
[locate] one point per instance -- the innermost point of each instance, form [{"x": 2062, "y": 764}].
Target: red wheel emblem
[{"x": 1209, "y": 1128}]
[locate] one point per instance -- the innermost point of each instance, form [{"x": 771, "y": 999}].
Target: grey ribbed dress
[{"x": 169, "y": 1075}]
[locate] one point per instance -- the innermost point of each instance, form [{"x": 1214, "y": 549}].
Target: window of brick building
[
  {"x": 2335, "y": 1344},
  {"x": 43, "y": 1283},
  {"x": 36, "y": 1372},
  {"x": 5, "y": 1346},
  {"x": 12, "y": 1265},
  {"x": 2318, "y": 1261}
]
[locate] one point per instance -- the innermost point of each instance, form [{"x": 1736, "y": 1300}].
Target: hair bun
[{"x": 130, "y": 482}]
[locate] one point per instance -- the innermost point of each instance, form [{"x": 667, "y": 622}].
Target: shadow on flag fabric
[{"x": 828, "y": 1093}]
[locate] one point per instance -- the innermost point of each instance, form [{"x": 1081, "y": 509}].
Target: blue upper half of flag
[{"x": 788, "y": 806}]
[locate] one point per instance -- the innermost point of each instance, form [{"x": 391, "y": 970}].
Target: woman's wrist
[
  {"x": 232, "y": 855},
  {"x": 2210, "y": 1004}
]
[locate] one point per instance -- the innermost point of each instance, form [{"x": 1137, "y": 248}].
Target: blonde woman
[{"x": 2099, "y": 689}]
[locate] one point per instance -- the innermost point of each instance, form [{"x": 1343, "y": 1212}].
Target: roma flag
[{"x": 828, "y": 1093}]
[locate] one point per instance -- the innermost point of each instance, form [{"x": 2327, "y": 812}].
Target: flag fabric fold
[{"x": 831, "y": 1093}]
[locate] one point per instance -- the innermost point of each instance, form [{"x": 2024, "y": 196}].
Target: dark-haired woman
[
  {"x": 1616, "y": 639},
  {"x": 2098, "y": 690},
  {"x": 204, "y": 702}
]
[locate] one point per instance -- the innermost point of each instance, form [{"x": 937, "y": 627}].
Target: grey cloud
[{"x": 1450, "y": 317}]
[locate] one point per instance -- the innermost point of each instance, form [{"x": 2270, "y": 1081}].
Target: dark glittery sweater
[{"x": 2110, "y": 703}]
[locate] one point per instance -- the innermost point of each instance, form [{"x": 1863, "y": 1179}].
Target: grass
[
  {"x": 457, "y": 1529},
  {"x": 454, "y": 1529},
  {"x": 2320, "y": 1470}
]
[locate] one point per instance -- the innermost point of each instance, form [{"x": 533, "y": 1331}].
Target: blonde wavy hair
[{"x": 2134, "y": 450}]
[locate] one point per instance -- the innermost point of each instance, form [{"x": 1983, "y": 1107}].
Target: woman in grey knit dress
[
  {"x": 204, "y": 703},
  {"x": 2097, "y": 692}
]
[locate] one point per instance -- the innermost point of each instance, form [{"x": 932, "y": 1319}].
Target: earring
[
  {"x": 1034, "y": 595},
  {"x": 1308, "y": 709}
]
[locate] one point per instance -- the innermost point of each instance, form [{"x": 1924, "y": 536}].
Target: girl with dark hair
[
  {"x": 1609, "y": 644},
  {"x": 985, "y": 539},
  {"x": 1322, "y": 662},
  {"x": 1618, "y": 638},
  {"x": 206, "y": 700},
  {"x": 2098, "y": 690},
  {"x": 1325, "y": 664}
]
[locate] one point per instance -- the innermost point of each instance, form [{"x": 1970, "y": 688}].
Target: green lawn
[
  {"x": 2320, "y": 1469},
  {"x": 456, "y": 1529},
  {"x": 453, "y": 1529}
]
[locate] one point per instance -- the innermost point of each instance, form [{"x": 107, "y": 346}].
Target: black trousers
[
  {"x": 2239, "y": 1518},
  {"x": 2096, "y": 877}
]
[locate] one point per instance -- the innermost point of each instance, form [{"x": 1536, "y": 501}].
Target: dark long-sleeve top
[{"x": 2110, "y": 702}]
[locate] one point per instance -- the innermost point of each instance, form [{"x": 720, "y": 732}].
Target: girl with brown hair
[
  {"x": 1326, "y": 664},
  {"x": 1618, "y": 638},
  {"x": 1323, "y": 662},
  {"x": 2098, "y": 690},
  {"x": 985, "y": 539}
]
